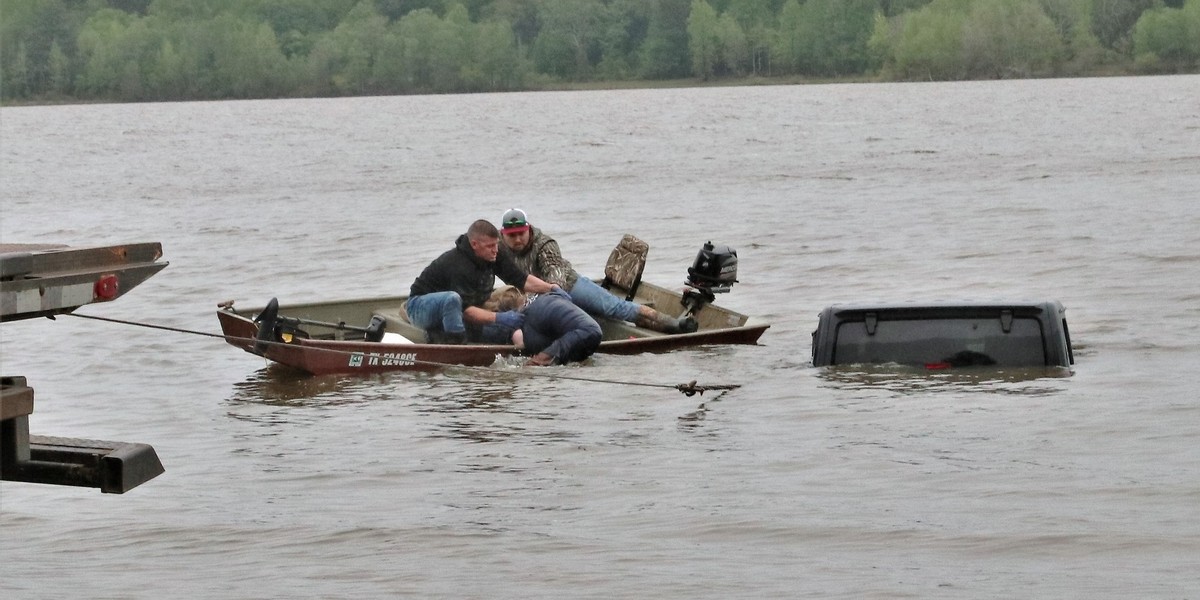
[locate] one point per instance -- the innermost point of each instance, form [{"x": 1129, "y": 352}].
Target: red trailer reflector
[{"x": 106, "y": 287}]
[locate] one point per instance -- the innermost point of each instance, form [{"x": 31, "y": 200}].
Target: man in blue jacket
[
  {"x": 447, "y": 297},
  {"x": 555, "y": 332},
  {"x": 558, "y": 332}
]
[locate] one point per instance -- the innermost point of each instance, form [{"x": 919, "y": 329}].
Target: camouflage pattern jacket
[{"x": 542, "y": 259}]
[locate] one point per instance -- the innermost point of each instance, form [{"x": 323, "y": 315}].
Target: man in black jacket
[{"x": 447, "y": 296}]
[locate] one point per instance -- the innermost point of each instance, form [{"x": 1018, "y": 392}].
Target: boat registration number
[{"x": 385, "y": 359}]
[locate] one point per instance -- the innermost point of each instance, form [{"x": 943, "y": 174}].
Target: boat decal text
[{"x": 384, "y": 359}]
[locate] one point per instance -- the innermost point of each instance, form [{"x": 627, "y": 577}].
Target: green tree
[
  {"x": 885, "y": 35},
  {"x": 168, "y": 76},
  {"x": 59, "y": 66},
  {"x": 891, "y": 8},
  {"x": 298, "y": 23},
  {"x": 735, "y": 49},
  {"x": 396, "y": 9},
  {"x": 1168, "y": 39},
  {"x": 15, "y": 83},
  {"x": 929, "y": 42},
  {"x": 570, "y": 37},
  {"x": 703, "y": 43},
  {"x": 111, "y": 43},
  {"x": 757, "y": 19},
  {"x": 520, "y": 15},
  {"x": 417, "y": 48},
  {"x": 497, "y": 65},
  {"x": 1007, "y": 38},
  {"x": 1072, "y": 18},
  {"x": 420, "y": 55},
  {"x": 835, "y": 35},
  {"x": 793, "y": 41},
  {"x": 15, "y": 16},
  {"x": 626, "y": 22},
  {"x": 348, "y": 54},
  {"x": 41, "y": 25},
  {"x": 191, "y": 9},
  {"x": 183, "y": 66},
  {"x": 1113, "y": 20},
  {"x": 665, "y": 51},
  {"x": 247, "y": 59},
  {"x": 452, "y": 50}
]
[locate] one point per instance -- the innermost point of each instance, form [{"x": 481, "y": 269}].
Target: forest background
[{"x": 161, "y": 50}]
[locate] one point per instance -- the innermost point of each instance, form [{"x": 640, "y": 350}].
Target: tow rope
[{"x": 688, "y": 389}]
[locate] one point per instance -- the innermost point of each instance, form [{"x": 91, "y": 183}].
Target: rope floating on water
[
  {"x": 688, "y": 389},
  {"x": 691, "y": 389}
]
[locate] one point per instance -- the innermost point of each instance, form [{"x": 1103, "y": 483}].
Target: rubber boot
[
  {"x": 541, "y": 359},
  {"x": 652, "y": 319}
]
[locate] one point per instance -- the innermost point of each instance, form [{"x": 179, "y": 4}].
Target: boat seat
[
  {"x": 394, "y": 314},
  {"x": 623, "y": 272},
  {"x": 396, "y": 317}
]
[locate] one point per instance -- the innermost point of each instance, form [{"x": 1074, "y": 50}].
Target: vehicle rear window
[{"x": 942, "y": 343}]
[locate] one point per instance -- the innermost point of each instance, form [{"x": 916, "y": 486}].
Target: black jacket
[{"x": 459, "y": 270}]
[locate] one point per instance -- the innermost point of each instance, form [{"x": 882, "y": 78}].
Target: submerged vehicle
[
  {"x": 942, "y": 335},
  {"x": 375, "y": 335}
]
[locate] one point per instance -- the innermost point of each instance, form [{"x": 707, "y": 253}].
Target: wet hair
[
  {"x": 483, "y": 229},
  {"x": 505, "y": 298}
]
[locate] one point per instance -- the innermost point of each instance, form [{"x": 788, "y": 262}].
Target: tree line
[{"x": 153, "y": 50}]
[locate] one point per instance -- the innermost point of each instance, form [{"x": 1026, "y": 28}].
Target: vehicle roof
[
  {"x": 945, "y": 306},
  {"x": 943, "y": 303}
]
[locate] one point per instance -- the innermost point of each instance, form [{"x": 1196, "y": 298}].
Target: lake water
[{"x": 803, "y": 482}]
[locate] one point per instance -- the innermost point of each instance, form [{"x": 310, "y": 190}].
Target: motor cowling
[{"x": 715, "y": 269}]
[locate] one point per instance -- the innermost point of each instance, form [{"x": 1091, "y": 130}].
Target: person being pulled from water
[
  {"x": 447, "y": 297},
  {"x": 537, "y": 253},
  {"x": 555, "y": 331}
]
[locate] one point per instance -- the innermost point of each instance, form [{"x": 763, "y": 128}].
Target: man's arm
[
  {"x": 511, "y": 274},
  {"x": 432, "y": 277},
  {"x": 481, "y": 316},
  {"x": 534, "y": 285},
  {"x": 478, "y": 316},
  {"x": 551, "y": 265}
]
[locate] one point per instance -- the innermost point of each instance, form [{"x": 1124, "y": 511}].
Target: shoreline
[{"x": 603, "y": 85}]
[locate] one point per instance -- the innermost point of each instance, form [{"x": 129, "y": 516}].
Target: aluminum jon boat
[{"x": 334, "y": 337}]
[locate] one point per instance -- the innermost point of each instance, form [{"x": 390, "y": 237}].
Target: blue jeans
[
  {"x": 554, "y": 325},
  {"x": 439, "y": 311},
  {"x": 597, "y": 301}
]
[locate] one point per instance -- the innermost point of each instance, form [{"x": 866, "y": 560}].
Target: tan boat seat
[
  {"x": 396, "y": 317},
  {"x": 392, "y": 312},
  {"x": 623, "y": 272}
]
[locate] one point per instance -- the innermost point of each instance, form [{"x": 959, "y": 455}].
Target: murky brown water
[{"x": 802, "y": 483}]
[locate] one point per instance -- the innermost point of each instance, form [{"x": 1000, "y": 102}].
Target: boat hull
[
  {"x": 325, "y": 357},
  {"x": 330, "y": 340}
]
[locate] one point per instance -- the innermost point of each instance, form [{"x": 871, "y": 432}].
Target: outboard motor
[
  {"x": 714, "y": 272},
  {"x": 267, "y": 321},
  {"x": 715, "y": 269}
]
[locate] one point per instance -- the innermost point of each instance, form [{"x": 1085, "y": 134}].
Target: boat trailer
[{"x": 38, "y": 280}]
